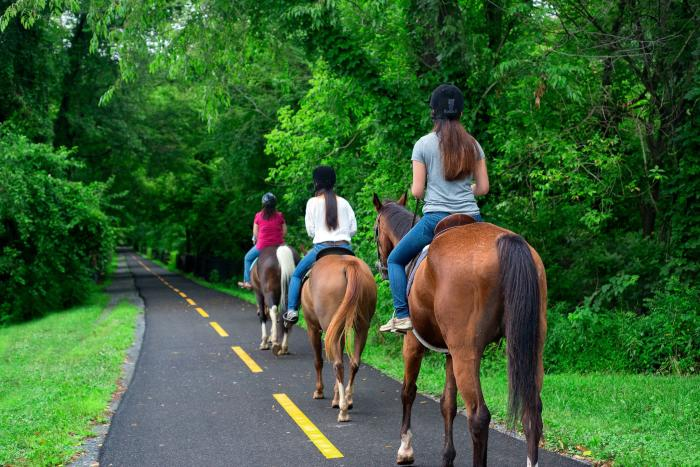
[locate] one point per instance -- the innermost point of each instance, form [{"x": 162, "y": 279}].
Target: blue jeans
[
  {"x": 248, "y": 262},
  {"x": 408, "y": 247},
  {"x": 300, "y": 271}
]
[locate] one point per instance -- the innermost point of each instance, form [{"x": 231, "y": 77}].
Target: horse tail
[
  {"x": 346, "y": 315},
  {"x": 285, "y": 258},
  {"x": 521, "y": 302}
]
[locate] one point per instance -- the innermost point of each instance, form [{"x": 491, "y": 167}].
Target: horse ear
[
  {"x": 402, "y": 200},
  {"x": 377, "y": 203}
]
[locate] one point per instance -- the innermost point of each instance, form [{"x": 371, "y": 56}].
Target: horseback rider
[
  {"x": 449, "y": 168},
  {"x": 269, "y": 229},
  {"x": 330, "y": 221}
]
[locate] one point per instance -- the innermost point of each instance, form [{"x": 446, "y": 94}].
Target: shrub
[{"x": 55, "y": 238}]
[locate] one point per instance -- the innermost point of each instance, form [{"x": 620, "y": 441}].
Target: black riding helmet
[
  {"x": 447, "y": 102},
  {"x": 269, "y": 200},
  {"x": 324, "y": 177}
]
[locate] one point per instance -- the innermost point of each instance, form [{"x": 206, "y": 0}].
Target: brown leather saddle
[
  {"x": 330, "y": 251},
  {"x": 452, "y": 221}
]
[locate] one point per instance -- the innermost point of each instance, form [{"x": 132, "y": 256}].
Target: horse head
[{"x": 392, "y": 223}]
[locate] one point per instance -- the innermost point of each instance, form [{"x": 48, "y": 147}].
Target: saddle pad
[
  {"x": 334, "y": 250},
  {"x": 416, "y": 262}
]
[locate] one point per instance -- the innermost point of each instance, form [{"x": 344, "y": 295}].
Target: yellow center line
[
  {"x": 246, "y": 359},
  {"x": 182, "y": 295},
  {"x": 202, "y": 312},
  {"x": 309, "y": 429},
  {"x": 218, "y": 329},
  {"x": 190, "y": 301},
  {"x": 176, "y": 290}
]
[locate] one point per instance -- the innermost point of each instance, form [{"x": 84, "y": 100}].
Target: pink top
[{"x": 269, "y": 230}]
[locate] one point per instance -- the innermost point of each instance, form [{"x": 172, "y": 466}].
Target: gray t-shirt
[{"x": 440, "y": 195}]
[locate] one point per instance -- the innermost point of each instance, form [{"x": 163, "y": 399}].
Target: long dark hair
[
  {"x": 268, "y": 211},
  {"x": 324, "y": 181},
  {"x": 331, "y": 207},
  {"x": 458, "y": 149}
]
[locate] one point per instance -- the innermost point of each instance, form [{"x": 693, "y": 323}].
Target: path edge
[{"x": 89, "y": 451}]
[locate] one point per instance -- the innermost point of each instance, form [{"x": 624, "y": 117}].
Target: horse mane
[{"x": 398, "y": 218}]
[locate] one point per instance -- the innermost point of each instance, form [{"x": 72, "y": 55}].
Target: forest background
[{"x": 160, "y": 124}]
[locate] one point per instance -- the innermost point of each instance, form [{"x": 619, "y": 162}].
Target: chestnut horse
[
  {"x": 479, "y": 283},
  {"x": 340, "y": 295},
  {"x": 270, "y": 277}
]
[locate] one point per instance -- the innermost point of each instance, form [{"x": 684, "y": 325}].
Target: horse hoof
[
  {"x": 404, "y": 460},
  {"x": 318, "y": 395},
  {"x": 343, "y": 417},
  {"x": 349, "y": 405},
  {"x": 264, "y": 346},
  {"x": 335, "y": 405}
]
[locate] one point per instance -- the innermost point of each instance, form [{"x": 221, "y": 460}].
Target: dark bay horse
[
  {"x": 270, "y": 277},
  {"x": 479, "y": 283},
  {"x": 340, "y": 296}
]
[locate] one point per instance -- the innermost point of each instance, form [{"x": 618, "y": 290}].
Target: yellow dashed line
[
  {"x": 190, "y": 301},
  {"x": 246, "y": 359},
  {"x": 202, "y": 312},
  {"x": 176, "y": 290},
  {"x": 309, "y": 429},
  {"x": 218, "y": 329},
  {"x": 182, "y": 295}
]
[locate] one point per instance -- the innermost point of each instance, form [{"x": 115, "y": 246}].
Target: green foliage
[
  {"x": 55, "y": 238},
  {"x": 665, "y": 339}
]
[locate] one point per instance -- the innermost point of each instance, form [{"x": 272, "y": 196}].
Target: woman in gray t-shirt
[{"x": 449, "y": 169}]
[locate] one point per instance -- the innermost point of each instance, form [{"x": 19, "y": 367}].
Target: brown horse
[
  {"x": 339, "y": 296},
  {"x": 479, "y": 283},
  {"x": 270, "y": 277}
]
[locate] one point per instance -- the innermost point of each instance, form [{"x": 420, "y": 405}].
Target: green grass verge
[
  {"x": 57, "y": 376},
  {"x": 630, "y": 419}
]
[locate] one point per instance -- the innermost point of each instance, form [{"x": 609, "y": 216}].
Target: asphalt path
[{"x": 194, "y": 401}]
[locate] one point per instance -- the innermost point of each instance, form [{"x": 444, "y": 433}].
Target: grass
[
  {"x": 57, "y": 376},
  {"x": 628, "y": 419}
]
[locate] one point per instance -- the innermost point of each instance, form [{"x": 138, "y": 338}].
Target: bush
[
  {"x": 666, "y": 339},
  {"x": 55, "y": 238}
]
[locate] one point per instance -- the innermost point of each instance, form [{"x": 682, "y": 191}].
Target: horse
[
  {"x": 478, "y": 284},
  {"x": 270, "y": 277},
  {"x": 339, "y": 295}
]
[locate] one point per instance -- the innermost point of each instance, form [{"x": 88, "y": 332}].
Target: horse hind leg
[
  {"x": 264, "y": 338},
  {"x": 412, "y": 357},
  {"x": 360, "y": 340},
  {"x": 448, "y": 407},
  {"x": 314, "y": 334},
  {"x": 466, "y": 371},
  {"x": 273, "y": 323}
]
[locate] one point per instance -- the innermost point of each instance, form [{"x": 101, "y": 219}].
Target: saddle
[
  {"x": 448, "y": 223},
  {"x": 330, "y": 251},
  {"x": 452, "y": 221}
]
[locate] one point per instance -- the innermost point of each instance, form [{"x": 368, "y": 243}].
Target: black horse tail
[{"x": 521, "y": 302}]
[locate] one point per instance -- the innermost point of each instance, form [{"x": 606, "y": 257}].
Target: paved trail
[{"x": 194, "y": 401}]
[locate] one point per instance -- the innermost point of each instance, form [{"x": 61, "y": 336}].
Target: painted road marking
[
  {"x": 218, "y": 329},
  {"x": 202, "y": 312},
  {"x": 176, "y": 290},
  {"x": 309, "y": 429},
  {"x": 182, "y": 295},
  {"x": 190, "y": 301},
  {"x": 246, "y": 359}
]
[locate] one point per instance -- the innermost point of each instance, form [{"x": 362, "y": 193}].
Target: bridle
[{"x": 381, "y": 267}]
